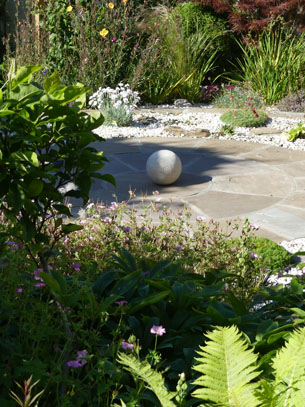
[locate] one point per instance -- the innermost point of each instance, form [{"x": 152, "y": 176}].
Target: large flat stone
[
  {"x": 224, "y": 205},
  {"x": 276, "y": 155},
  {"x": 295, "y": 169},
  {"x": 296, "y": 200},
  {"x": 267, "y": 183},
  {"x": 227, "y": 147},
  {"x": 279, "y": 221},
  {"x": 117, "y": 146}
]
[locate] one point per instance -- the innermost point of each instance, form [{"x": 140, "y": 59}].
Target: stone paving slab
[{"x": 221, "y": 179}]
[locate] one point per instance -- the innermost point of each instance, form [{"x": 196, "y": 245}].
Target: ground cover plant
[
  {"x": 113, "y": 303},
  {"x": 245, "y": 118}
]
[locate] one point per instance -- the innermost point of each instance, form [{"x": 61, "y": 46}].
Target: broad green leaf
[
  {"x": 108, "y": 277},
  {"x": 126, "y": 284},
  {"x": 61, "y": 281},
  {"x": 25, "y": 93},
  {"x": 62, "y": 209},
  {"x": 151, "y": 299},
  {"x": 70, "y": 227},
  {"x": 35, "y": 188},
  {"x": 51, "y": 283},
  {"x": 51, "y": 83},
  {"x": 24, "y": 74},
  {"x": 28, "y": 229}
]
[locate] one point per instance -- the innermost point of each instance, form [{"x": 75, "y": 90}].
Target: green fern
[
  {"x": 228, "y": 369},
  {"x": 153, "y": 379},
  {"x": 289, "y": 372}
]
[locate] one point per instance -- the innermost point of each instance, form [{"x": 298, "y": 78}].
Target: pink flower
[
  {"x": 254, "y": 227},
  {"x": 127, "y": 345},
  {"x": 121, "y": 303},
  {"x": 253, "y": 255},
  {"x": 39, "y": 285},
  {"x": 199, "y": 218},
  {"x": 158, "y": 330},
  {"x": 19, "y": 290},
  {"x": 113, "y": 39},
  {"x": 37, "y": 273}
]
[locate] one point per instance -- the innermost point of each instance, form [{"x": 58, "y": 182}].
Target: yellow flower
[
  {"x": 124, "y": 1},
  {"x": 110, "y": 5},
  {"x": 69, "y": 8},
  {"x": 104, "y": 32}
]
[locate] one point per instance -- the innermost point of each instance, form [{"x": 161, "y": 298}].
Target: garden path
[{"x": 220, "y": 180}]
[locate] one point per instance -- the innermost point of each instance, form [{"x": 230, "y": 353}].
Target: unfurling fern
[
  {"x": 228, "y": 369},
  {"x": 153, "y": 379}
]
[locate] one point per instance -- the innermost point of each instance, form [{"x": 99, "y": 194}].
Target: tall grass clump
[
  {"x": 183, "y": 60},
  {"x": 274, "y": 63}
]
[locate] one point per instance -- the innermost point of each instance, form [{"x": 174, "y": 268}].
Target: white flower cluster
[{"x": 121, "y": 96}]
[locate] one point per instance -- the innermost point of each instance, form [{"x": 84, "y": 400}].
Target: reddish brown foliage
[{"x": 255, "y": 15}]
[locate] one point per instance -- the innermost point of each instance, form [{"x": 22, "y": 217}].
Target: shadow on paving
[{"x": 127, "y": 163}]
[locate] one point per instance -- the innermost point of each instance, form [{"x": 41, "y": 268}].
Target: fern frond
[
  {"x": 289, "y": 370},
  {"x": 228, "y": 368},
  {"x": 153, "y": 379}
]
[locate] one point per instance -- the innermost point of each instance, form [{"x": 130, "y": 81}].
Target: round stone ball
[{"x": 163, "y": 167}]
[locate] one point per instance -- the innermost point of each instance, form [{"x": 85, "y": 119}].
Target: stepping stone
[
  {"x": 262, "y": 131},
  {"x": 179, "y": 131}
]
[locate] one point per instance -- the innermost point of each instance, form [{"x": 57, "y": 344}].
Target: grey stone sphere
[{"x": 163, "y": 167}]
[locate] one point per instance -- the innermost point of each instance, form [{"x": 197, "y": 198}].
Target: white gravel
[{"x": 202, "y": 120}]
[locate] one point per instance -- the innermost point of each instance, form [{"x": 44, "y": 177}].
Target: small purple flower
[
  {"x": 127, "y": 229},
  {"x": 44, "y": 72},
  {"x": 39, "y": 285},
  {"x": 76, "y": 266},
  {"x": 146, "y": 273},
  {"x": 158, "y": 330},
  {"x": 200, "y": 218},
  {"x": 178, "y": 248},
  {"x": 81, "y": 359},
  {"x": 127, "y": 345},
  {"x": 37, "y": 274},
  {"x": 121, "y": 303},
  {"x": 19, "y": 290},
  {"x": 113, "y": 39},
  {"x": 254, "y": 227},
  {"x": 253, "y": 255}
]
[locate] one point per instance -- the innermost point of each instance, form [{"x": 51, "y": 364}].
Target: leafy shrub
[
  {"x": 116, "y": 105},
  {"x": 274, "y": 257},
  {"x": 244, "y": 118},
  {"x": 294, "y": 102},
  {"x": 297, "y": 132},
  {"x": 238, "y": 97}
]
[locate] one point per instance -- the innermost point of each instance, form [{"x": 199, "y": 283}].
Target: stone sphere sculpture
[{"x": 163, "y": 167}]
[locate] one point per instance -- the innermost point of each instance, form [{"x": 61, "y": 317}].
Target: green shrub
[
  {"x": 274, "y": 257},
  {"x": 238, "y": 97},
  {"x": 244, "y": 118}
]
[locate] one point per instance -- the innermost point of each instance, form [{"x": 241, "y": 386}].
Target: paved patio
[{"x": 220, "y": 180}]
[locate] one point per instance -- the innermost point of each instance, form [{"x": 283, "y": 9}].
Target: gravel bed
[{"x": 201, "y": 120}]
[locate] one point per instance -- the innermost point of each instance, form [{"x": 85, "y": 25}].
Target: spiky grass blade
[
  {"x": 289, "y": 371},
  {"x": 153, "y": 379},
  {"x": 228, "y": 369}
]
